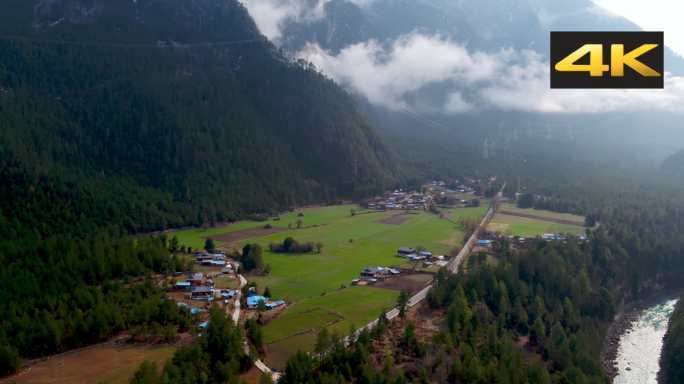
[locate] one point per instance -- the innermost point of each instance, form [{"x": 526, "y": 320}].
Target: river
[{"x": 639, "y": 352}]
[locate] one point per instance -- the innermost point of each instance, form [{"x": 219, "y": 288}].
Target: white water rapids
[{"x": 639, "y": 353}]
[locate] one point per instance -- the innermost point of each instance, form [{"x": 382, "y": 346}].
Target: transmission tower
[
  {"x": 485, "y": 154},
  {"x": 548, "y": 133},
  {"x": 529, "y": 128},
  {"x": 570, "y": 131},
  {"x": 492, "y": 149},
  {"x": 515, "y": 134},
  {"x": 507, "y": 145}
]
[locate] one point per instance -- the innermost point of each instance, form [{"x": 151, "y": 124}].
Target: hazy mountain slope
[
  {"x": 393, "y": 18},
  {"x": 343, "y": 24},
  {"x": 224, "y": 129}
]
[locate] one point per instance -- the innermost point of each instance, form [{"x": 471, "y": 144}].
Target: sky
[{"x": 653, "y": 15}]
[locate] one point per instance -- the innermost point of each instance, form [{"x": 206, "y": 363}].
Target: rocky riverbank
[{"x": 622, "y": 324}]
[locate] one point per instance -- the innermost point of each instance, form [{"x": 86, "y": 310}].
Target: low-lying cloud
[
  {"x": 272, "y": 15},
  {"x": 506, "y": 80}
]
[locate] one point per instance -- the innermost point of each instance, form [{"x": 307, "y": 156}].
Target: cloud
[
  {"x": 507, "y": 80},
  {"x": 272, "y": 15}
]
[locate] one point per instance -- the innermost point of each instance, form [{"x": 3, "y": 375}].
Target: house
[
  {"x": 196, "y": 279},
  {"x": 227, "y": 269},
  {"x": 202, "y": 257},
  {"x": 218, "y": 263},
  {"x": 181, "y": 285},
  {"x": 369, "y": 272},
  {"x": 201, "y": 293},
  {"x": 394, "y": 272},
  {"x": 253, "y": 301},
  {"x": 427, "y": 264},
  {"x": 371, "y": 205},
  {"x": 203, "y": 325},
  {"x": 425, "y": 254},
  {"x": 406, "y": 251}
]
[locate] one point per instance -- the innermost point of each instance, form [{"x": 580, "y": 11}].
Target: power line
[
  {"x": 425, "y": 120},
  {"x": 116, "y": 45}
]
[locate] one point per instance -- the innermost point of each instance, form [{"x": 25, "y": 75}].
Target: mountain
[
  {"x": 182, "y": 104},
  {"x": 343, "y": 24}
]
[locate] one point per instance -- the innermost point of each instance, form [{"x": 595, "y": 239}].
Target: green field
[
  {"x": 293, "y": 322},
  {"x": 280, "y": 351},
  {"x": 375, "y": 244},
  {"x": 193, "y": 237},
  {"x": 357, "y": 305},
  {"x": 522, "y": 226},
  {"x": 508, "y": 207}
]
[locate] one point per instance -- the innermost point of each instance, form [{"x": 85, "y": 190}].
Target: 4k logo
[{"x": 607, "y": 60}]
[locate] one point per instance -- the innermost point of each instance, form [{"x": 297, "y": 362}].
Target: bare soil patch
[
  {"x": 111, "y": 363},
  {"x": 542, "y": 218},
  {"x": 401, "y": 282},
  {"x": 394, "y": 220},
  {"x": 245, "y": 234},
  {"x": 446, "y": 215}
]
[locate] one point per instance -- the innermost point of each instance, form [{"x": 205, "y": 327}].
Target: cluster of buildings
[
  {"x": 488, "y": 237},
  {"x": 211, "y": 259},
  {"x": 253, "y": 301},
  {"x": 427, "y": 258},
  {"x": 201, "y": 287},
  {"x": 401, "y": 200},
  {"x": 370, "y": 276}
]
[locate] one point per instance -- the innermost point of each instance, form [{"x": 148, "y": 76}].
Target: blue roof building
[
  {"x": 203, "y": 325},
  {"x": 253, "y": 301},
  {"x": 195, "y": 310},
  {"x": 484, "y": 242}
]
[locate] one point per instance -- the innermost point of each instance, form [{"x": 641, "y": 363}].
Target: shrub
[
  {"x": 267, "y": 226},
  {"x": 276, "y": 219},
  {"x": 300, "y": 214}
]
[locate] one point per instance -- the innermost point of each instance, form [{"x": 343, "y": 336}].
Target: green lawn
[
  {"x": 358, "y": 306},
  {"x": 192, "y": 237},
  {"x": 522, "y": 226},
  {"x": 369, "y": 252},
  {"x": 226, "y": 282},
  {"x": 375, "y": 244},
  {"x": 280, "y": 351},
  {"x": 317, "y": 215},
  {"x": 295, "y": 322}
]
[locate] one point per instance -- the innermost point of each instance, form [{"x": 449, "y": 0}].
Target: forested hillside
[
  {"x": 118, "y": 117},
  {"x": 672, "y": 358},
  {"x": 223, "y": 129}
]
